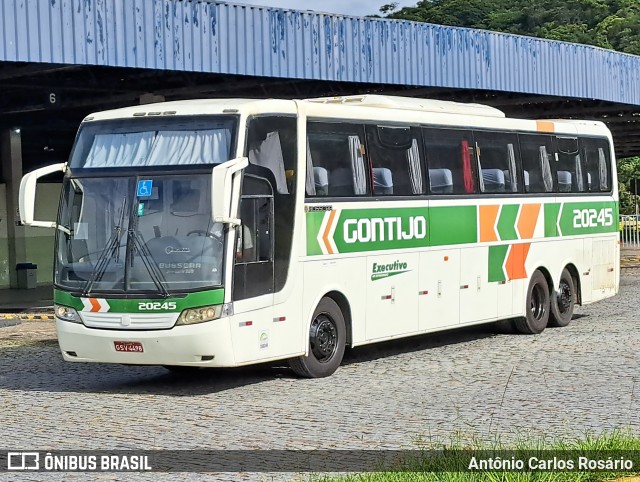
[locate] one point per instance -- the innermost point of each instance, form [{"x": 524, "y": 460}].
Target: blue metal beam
[{"x": 206, "y": 36}]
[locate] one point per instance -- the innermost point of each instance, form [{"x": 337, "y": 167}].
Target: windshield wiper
[
  {"x": 149, "y": 262},
  {"x": 107, "y": 253}
]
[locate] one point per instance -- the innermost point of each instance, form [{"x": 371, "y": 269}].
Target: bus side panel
[
  {"x": 478, "y": 297},
  {"x": 604, "y": 252},
  {"x": 392, "y": 295},
  {"x": 439, "y": 289},
  {"x": 345, "y": 276}
]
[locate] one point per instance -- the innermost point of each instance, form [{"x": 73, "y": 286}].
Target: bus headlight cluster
[
  {"x": 67, "y": 314},
  {"x": 199, "y": 315}
]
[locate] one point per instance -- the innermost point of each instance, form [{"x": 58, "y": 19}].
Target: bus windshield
[
  {"x": 145, "y": 234},
  {"x": 154, "y": 142}
]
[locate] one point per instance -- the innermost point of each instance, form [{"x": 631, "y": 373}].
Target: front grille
[{"x": 129, "y": 321}]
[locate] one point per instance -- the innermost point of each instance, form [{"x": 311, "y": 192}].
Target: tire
[
  {"x": 537, "y": 307},
  {"x": 563, "y": 301},
  {"x": 327, "y": 337}
]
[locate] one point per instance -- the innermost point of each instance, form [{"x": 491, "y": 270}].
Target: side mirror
[
  {"x": 225, "y": 190},
  {"x": 27, "y": 199}
]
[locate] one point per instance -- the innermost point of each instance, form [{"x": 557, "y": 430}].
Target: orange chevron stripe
[
  {"x": 528, "y": 220},
  {"x": 325, "y": 236},
  {"x": 516, "y": 260},
  {"x": 488, "y": 215},
  {"x": 95, "y": 305}
]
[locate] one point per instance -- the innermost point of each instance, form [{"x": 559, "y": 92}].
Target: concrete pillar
[{"x": 11, "y": 161}]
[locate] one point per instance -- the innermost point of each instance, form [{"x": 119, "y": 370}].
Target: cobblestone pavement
[{"x": 467, "y": 384}]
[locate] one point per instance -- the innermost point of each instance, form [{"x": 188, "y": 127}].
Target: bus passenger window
[
  {"x": 536, "y": 151},
  {"x": 598, "y": 164},
  {"x": 498, "y": 156},
  {"x": 395, "y": 160},
  {"x": 336, "y": 159},
  {"x": 570, "y": 166},
  {"x": 451, "y": 160}
]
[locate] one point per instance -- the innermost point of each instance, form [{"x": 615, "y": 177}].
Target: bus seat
[
  {"x": 493, "y": 180},
  {"x": 507, "y": 179},
  {"x": 564, "y": 181},
  {"x": 341, "y": 182},
  {"x": 321, "y": 180},
  {"x": 382, "y": 180},
  {"x": 441, "y": 181}
]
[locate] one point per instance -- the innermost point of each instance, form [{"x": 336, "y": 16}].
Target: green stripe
[
  {"x": 551, "y": 212},
  {"x": 385, "y": 229},
  {"x": 589, "y": 218},
  {"x": 453, "y": 225},
  {"x": 314, "y": 222},
  {"x": 192, "y": 300},
  {"x": 497, "y": 255},
  {"x": 507, "y": 222}
]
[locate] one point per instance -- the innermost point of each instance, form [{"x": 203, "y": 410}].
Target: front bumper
[{"x": 192, "y": 345}]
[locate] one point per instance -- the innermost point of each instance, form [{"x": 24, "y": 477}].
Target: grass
[{"x": 433, "y": 466}]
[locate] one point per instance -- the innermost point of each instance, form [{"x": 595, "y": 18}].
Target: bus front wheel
[
  {"x": 327, "y": 336},
  {"x": 563, "y": 301},
  {"x": 537, "y": 308}
]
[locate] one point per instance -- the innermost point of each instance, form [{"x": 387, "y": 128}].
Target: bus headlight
[
  {"x": 199, "y": 315},
  {"x": 67, "y": 314}
]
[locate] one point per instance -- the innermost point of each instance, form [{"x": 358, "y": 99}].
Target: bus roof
[
  {"x": 370, "y": 106},
  {"x": 411, "y": 103}
]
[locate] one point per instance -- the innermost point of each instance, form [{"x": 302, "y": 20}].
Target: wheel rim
[
  {"x": 537, "y": 302},
  {"x": 564, "y": 297},
  {"x": 323, "y": 337}
]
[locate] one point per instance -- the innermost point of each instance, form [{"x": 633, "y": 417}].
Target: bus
[{"x": 228, "y": 232}]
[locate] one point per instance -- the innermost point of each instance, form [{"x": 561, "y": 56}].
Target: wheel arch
[
  {"x": 547, "y": 275},
  {"x": 575, "y": 275},
  {"x": 343, "y": 304}
]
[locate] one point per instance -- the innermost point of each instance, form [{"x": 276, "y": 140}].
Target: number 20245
[
  {"x": 154, "y": 306},
  {"x": 591, "y": 218}
]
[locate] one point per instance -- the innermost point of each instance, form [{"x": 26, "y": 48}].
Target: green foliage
[
  {"x": 619, "y": 441},
  {"x": 628, "y": 170},
  {"x": 612, "y": 24}
]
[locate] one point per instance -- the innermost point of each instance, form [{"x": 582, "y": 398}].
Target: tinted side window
[
  {"x": 536, "y": 151},
  {"x": 498, "y": 158},
  {"x": 570, "y": 176},
  {"x": 336, "y": 159},
  {"x": 451, "y": 160},
  {"x": 271, "y": 143},
  {"x": 272, "y": 152},
  {"x": 395, "y": 160},
  {"x": 598, "y": 164}
]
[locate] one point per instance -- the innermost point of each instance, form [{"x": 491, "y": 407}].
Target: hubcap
[
  {"x": 564, "y": 297},
  {"x": 323, "y": 337},
  {"x": 537, "y": 302}
]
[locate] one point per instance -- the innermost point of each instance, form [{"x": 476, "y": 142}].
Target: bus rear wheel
[
  {"x": 327, "y": 336},
  {"x": 563, "y": 301},
  {"x": 537, "y": 308}
]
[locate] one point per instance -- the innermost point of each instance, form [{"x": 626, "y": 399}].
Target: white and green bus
[{"x": 220, "y": 233}]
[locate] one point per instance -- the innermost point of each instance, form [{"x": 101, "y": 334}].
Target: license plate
[{"x": 129, "y": 346}]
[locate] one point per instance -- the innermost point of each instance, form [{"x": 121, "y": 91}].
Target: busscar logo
[{"x": 23, "y": 461}]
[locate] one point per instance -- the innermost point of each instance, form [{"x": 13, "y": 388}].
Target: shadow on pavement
[{"x": 39, "y": 367}]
